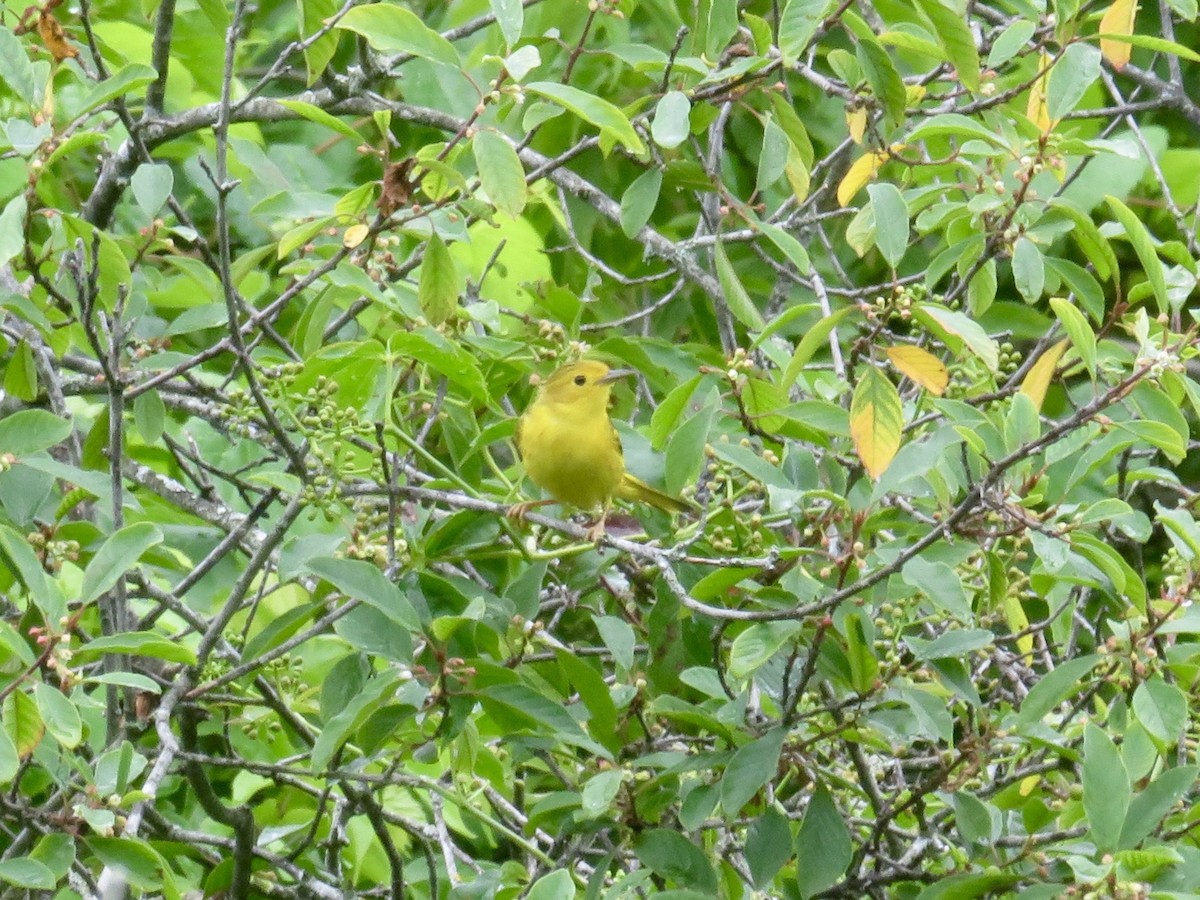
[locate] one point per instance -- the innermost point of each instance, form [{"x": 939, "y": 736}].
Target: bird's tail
[{"x": 635, "y": 489}]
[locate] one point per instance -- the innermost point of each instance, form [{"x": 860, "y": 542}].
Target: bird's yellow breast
[{"x": 572, "y": 453}]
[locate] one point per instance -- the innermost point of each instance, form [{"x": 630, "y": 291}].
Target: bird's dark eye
[{"x": 581, "y": 379}]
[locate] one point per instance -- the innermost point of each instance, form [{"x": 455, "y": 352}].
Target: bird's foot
[
  {"x": 518, "y": 511},
  {"x": 596, "y": 532}
]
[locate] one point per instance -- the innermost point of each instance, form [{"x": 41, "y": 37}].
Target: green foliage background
[{"x": 907, "y": 286}]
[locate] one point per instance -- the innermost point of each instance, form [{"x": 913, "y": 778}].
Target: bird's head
[{"x": 585, "y": 385}]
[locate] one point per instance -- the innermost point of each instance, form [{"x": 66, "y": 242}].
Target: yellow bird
[{"x": 572, "y": 451}]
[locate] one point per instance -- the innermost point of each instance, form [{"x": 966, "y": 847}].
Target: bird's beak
[{"x": 616, "y": 375}]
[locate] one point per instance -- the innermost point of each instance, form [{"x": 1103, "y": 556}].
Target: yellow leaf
[
  {"x": 797, "y": 174},
  {"x": 1027, "y": 784},
  {"x": 876, "y": 418},
  {"x": 856, "y": 121},
  {"x": 1118, "y": 20},
  {"x": 859, "y": 174},
  {"x": 1014, "y": 614},
  {"x": 1037, "y": 380},
  {"x": 355, "y": 235},
  {"x": 921, "y": 366},
  {"x": 1036, "y": 110}
]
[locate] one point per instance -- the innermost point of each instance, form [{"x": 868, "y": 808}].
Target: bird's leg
[
  {"x": 596, "y": 531},
  {"x": 518, "y": 510}
]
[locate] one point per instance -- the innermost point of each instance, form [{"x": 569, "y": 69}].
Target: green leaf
[
  {"x": 752, "y": 766},
  {"x": 320, "y": 117},
  {"x": 510, "y": 16},
  {"x": 126, "y": 80},
  {"x": 370, "y": 631},
  {"x": 952, "y": 32},
  {"x": 860, "y": 652},
  {"x": 1010, "y": 42},
  {"x": 442, "y": 356},
  {"x": 639, "y": 200},
  {"x": 608, "y": 118},
  {"x": 365, "y": 582},
  {"x": 791, "y": 247},
  {"x": 116, "y": 556},
  {"x": 1074, "y": 72},
  {"x": 149, "y": 415},
  {"x": 151, "y": 184},
  {"x": 439, "y": 287},
  {"x": 134, "y": 859},
  {"x": 137, "y": 643},
  {"x": 23, "y": 722},
  {"x": 30, "y": 431},
  {"x": 1085, "y": 233},
  {"x": 1155, "y": 43},
  {"x": 736, "y": 297},
  {"x": 56, "y": 851},
  {"x": 1082, "y": 337},
  {"x": 768, "y": 846},
  {"x": 798, "y": 24},
  {"x": 396, "y": 29},
  {"x": 1029, "y": 272},
  {"x": 953, "y": 324},
  {"x": 955, "y": 125},
  {"x": 823, "y": 849},
  {"x": 685, "y": 451},
  {"x": 19, "y": 557},
  {"x": 317, "y": 54},
  {"x": 671, "y": 855},
  {"x": 15, "y": 69},
  {"x": 500, "y": 172},
  {"x": 1143, "y": 246},
  {"x": 754, "y": 646},
  {"x": 10, "y": 763},
  {"x": 885, "y": 81},
  {"x": 338, "y": 729},
  {"x": 619, "y": 638},
  {"x": 813, "y": 339},
  {"x": 1106, "y": 791},
  {"x": 27, "y": 873},
  {"x": 1147, "y": 809},
  {"x": 773, "y": 157},
  {"x": 891, "y": 221},
  {"x": 20, "y": 378},
  {"x": 1052, "y": 688},
  {"x": 558, "y": 885},
  {"x": 517, "y": 703},
  {"x": 60, "y": 715},
  {"x": 599, "y": 792},
  {"x": 670, "y": 126},
  {"x": 12, "y": 227},
  {"x": 1162, "y": 709}
]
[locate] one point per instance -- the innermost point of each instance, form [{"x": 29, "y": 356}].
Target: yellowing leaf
[
  {"x": 1037, "y": 380},
  {"x": 921, "y": 366},
  {"x": 876, "y": 417},
  {"x": 1118, "y": 20},
  {"x": 859, "y": 174},
  {"x": 355, "y": 235},
  {"x": 856, "y": 122},
  {"x": 796, "y": 173},
  {"x": 1014, "y": 614},
  {"x": 1036, "y": 109}
]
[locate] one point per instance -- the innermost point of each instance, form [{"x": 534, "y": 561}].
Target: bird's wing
[
  {"x": 517, "y": 436},
  {"x": 616, "y": 439}
]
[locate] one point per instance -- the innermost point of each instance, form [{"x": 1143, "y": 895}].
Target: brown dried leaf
[
  {"x": 397, "y": 186},
  {"x": 54, "y": 37}
]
